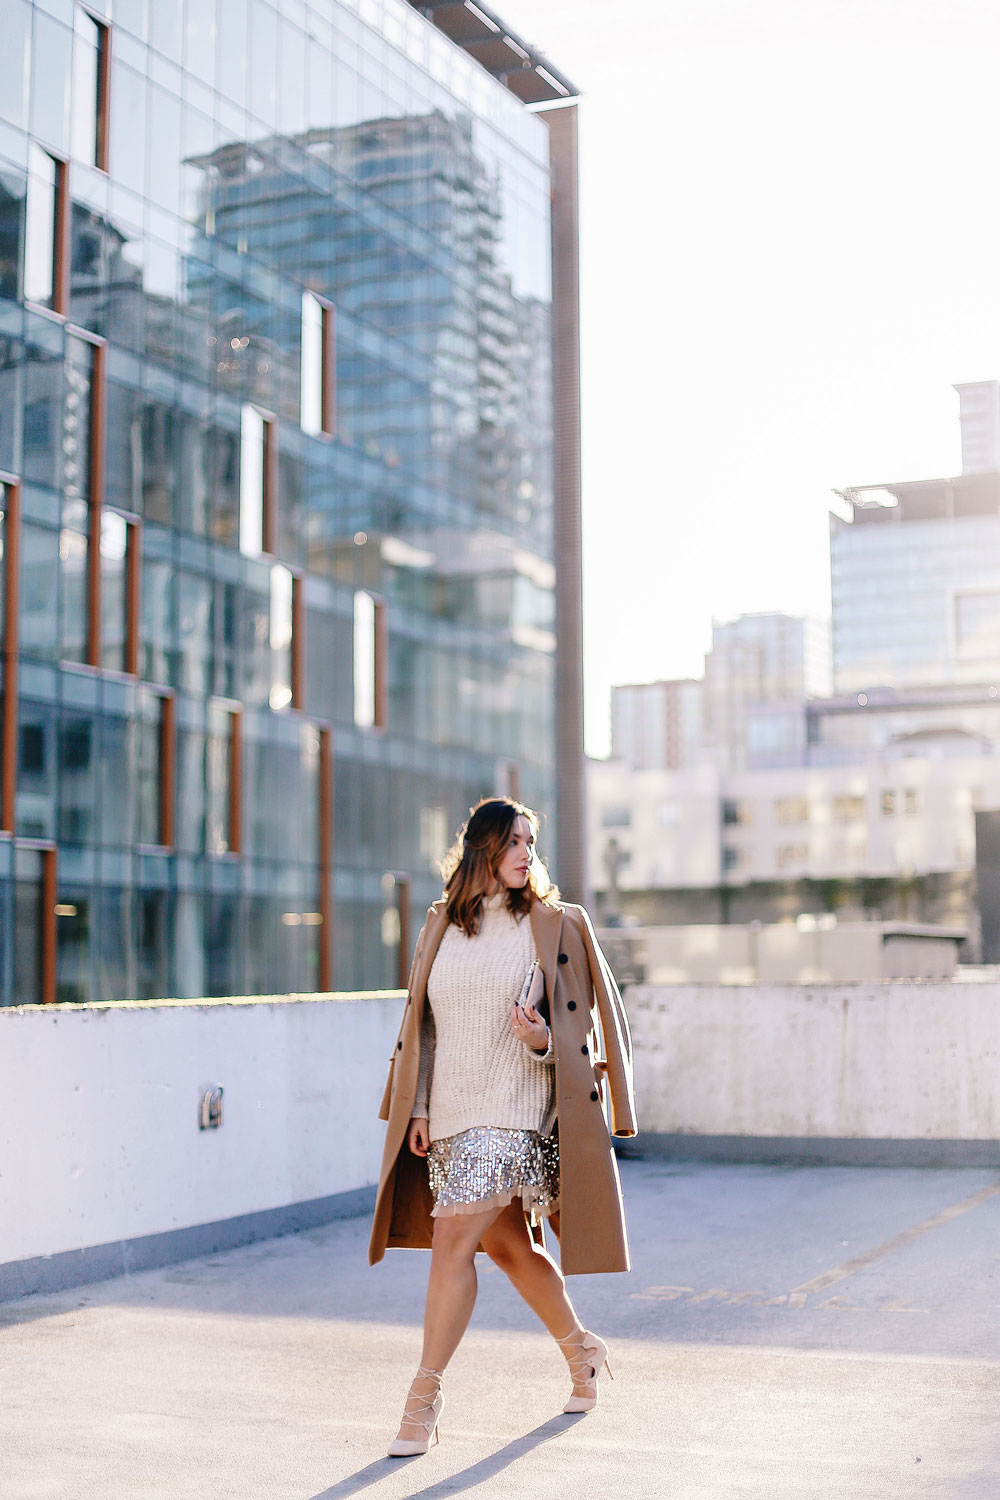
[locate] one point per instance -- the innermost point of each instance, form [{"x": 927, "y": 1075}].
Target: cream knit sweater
[{"x": 473, "y": 1069}]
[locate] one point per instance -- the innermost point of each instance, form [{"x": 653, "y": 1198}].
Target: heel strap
[{"x": 579, "y": 1348}]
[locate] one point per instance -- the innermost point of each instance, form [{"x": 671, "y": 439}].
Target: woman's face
[{"x": 515, "y": 862}]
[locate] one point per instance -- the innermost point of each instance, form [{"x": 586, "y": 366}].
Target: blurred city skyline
[{"x": 788, "y": 257}]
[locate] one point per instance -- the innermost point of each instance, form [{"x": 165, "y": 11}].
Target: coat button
[
  {"x": 593, "y": 1094},
  {"x": 583, "y": 1049},
  {"x": 564, "y": 958},
  {"x": 399, "y": 1046},
  {"x": 571, "y": 1005}
]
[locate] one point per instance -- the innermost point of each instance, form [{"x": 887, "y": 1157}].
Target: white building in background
[
  {"x": 658, "y": 726},
  {"x": 894, "y": 817}
]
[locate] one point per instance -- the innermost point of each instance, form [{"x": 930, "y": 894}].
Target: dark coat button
[
  {"x": 564, "y": 958},
  {"x": 399, "y": 1046},
  {"x": 583, "y": 1049},
  {"x": 593, "y": 1093},
  {"x": 571, "y": 1005}
]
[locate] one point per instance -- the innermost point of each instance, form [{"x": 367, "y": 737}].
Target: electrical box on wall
[{"x": 210, "y": 1112}]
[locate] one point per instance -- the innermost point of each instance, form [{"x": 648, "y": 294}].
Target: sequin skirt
[{"x": 487, "y": 1167}]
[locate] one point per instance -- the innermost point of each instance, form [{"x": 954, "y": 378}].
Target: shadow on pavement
[{"x": 465, "y": 1479}]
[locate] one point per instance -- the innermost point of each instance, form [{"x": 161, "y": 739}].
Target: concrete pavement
[{"x": 786, "y": 1333}]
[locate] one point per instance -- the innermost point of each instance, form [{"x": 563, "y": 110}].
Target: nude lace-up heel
[
  {"x": 585, "y": 1354},
  {"x": 422, "y": 1410}
]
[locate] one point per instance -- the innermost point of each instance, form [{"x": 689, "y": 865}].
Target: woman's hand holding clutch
[{"x": 529, "y": 1027}]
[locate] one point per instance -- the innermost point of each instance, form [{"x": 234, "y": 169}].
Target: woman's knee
[
  {"x": 508, "y": 1246},
  {"x": 454, "y": 1241}
]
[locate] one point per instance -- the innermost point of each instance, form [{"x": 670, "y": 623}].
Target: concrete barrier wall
[
  {"x": 891, "y": 1061},
  {"x": 99, "y": 1137}
]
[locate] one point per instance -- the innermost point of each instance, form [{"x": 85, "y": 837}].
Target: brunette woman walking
[{"x": 513, "y": 1029}]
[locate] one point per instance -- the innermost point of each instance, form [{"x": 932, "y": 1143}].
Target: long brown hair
[{"x": 470, "y": 866}]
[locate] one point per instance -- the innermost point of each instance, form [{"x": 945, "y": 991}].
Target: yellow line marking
[{"x": 898, "y": 1242}]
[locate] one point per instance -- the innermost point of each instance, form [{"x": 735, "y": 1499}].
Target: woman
[{"x": 494, "y": 1104}]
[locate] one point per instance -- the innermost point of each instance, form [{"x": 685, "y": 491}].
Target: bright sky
[{"x": 790, "y": 251}]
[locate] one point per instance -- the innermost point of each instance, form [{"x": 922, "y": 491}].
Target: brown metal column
[
  {"x": 571, "y": 848},
  {"x": 298, "y": 673},
  {"x": 326, "y": 858},
  {"x": 11, "y": 629},
  {"x": 328, "y": 419},
  {"x": 168, "y": 769},
  {"x": 62, "y": 247},
  {"x": 98, "y": 424},
  {"x": 403, "y": 886},
  {"x": 236, "y": 781},
  {"x": 269, "y": 505},
  {"x": 133, "y": 595},
  {"x": 49, "y": 959}
]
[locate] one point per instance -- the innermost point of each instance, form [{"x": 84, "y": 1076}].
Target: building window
[
  {"x": 155, "y": 762},
  {"x": 121, "y": 572},
  {"x": 791, "y": 810},
  {"x": 734, "y": 857},
  {"x": 35, "y": 916},
  {"x": 258, "y": 482},
  {"x": 370, "y": 661},
  {"x": 791, "y": 854},
  {"x": 911, "y": 801},
  {"x": 46, "y": 232},
  {"x": 10, "y": 552},
  {"x": 888, "y": 803},
  {"x": 977, "y": 622},
  {"x": 849, "y": 809},
  {"x": 82, "y": 537},
  {"x": 91, "y": 60},
  {"x": 316, "y": 376},
  {"x": 616, "y": 816},
  {"x": 224, "y": 779},
  {"x": 736, "y": 813}
]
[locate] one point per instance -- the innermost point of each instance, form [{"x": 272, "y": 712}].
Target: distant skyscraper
[
  {"x": 756, "y": 659},
  {"x": 657, "y": 726},
  {"x": 979, "y": 414}
]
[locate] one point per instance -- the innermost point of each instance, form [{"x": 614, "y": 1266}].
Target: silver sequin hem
[{"x": 488, "y": 1167}]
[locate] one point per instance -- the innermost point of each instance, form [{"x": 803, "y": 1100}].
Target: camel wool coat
[{"x": 593, "y": 1071}]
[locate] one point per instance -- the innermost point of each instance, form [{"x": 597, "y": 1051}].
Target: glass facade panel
[{"x": 262, "y": 172}]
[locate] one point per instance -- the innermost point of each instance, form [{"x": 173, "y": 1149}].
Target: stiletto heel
[
  {"x": 425, "y": 1415},
  {"x": 586, "y": 1355}
]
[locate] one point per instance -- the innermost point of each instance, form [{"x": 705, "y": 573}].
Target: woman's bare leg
[
  {"x": 532, "y": 1270},
  {"x": 451, "y": 1296}
]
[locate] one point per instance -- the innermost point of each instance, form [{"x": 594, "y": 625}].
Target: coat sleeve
[
  {"x": 383, "y": 1112},
  {"x": 615, "y": 1028}
]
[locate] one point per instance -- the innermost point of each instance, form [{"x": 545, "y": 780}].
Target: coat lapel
[{"x": 546, "y": 929}]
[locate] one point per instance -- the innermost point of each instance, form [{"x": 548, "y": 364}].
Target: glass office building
[
  {"x": 916, "y": 585},
  {"x": 279, "y": 481}
]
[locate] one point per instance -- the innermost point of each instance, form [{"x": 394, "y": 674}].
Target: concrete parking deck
[{"x": 786, "y": 1333}]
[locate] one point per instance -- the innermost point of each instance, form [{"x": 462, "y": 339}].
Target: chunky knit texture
[{"x": 473, "y": 1069}]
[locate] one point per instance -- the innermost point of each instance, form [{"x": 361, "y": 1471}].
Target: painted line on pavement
[{"x": 898, "y": 1242}]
